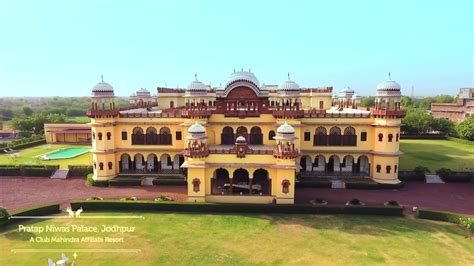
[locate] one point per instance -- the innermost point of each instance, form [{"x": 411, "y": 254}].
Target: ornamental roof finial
[
  {"x": 102, "y": 78},
  {"x": 389, "y": 76},
  {"x": 195, "y": 76},
  {"x": 289, "y": 76}
]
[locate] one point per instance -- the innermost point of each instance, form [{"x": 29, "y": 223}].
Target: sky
[{"x": 61, "y": 48}]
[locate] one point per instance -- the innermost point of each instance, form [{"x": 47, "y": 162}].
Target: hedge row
[
  {"x": 169, "y": 182},
  {"x": 115, "y": 205},
  {"x": 119, "y": 182},
  {"x": 362, "y": 185},
  {"x": 314, "y": 183},
  {"x": 25, "y": 145},
  {"x": 79, "y": 170},
  {"x": 429, "y": 214},
  {"x": 411, "y": 176},
  {"x": 43, "y": 210},
  {"x": 449, "y": 176},
  {"x": 28, "y": 170}
]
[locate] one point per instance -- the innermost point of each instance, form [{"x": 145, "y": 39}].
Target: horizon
[{"x": 57, "y": 49}]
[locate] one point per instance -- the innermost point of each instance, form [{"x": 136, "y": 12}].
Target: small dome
[
  {"x": 286, "y": 129},
  {"x": 196, "y": 85},
  {"x": 196, "y": 128},
  {"x": 347, "y": 92},
  {"x": 102, "y": 89},
  {"x": 143, "y": 93},
  {"x": 240, "y": 139},
  {"x": 289, "y": 85},
  {"x": 388, "y": 85},
  {"x": 242, "y": 76}
]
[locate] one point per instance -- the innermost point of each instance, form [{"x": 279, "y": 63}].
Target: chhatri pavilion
[{"x": 245, "y": 142}]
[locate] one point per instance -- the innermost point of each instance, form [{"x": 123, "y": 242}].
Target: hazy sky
[{"x": 61, "y": 48}]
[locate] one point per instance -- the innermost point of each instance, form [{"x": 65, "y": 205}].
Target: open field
[
  {"x": 435, "y": 154},
  {"x": 189, "y": 239},
  {"x": 29, "y": 156}
]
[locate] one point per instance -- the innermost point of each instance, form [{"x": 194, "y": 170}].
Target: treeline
[
  {"x": 409, "y": 102},
  {"x": 68, "y": 106}
]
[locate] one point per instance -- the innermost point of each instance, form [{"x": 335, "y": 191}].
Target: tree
[
  {"x": 465, "y": 129},
  {"x": 27, "y": 111},
  {"x": 367, "y": 101},
  {"x": 442, "y": 125},
  {"x": 35, "y": 123},
  {"x": 444, "y": 99},
  {"x": 6, "y": 114},
  {"x": 75, "y": 112},
  {"x": 417, "y": 121},
  {"x": 406, "y": 102},
  {"x": 468, "y": 225}
]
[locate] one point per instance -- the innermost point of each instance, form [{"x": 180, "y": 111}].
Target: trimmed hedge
[
  {"x": 314, "y": 183},
  {"x": 411, "y": 176},
  {"x": 96, "y": 183},
  {"x": 3, "y": 216},
  {"x": 9, "y": 170},
  {"x": 449, "y": 176},
  {"x": 166, "y": 206},
  {"x": 169, "y": 182},
  {"x": 361, "y": 185},
  {"x": 430, "y": 214},
  {"x": 79, "y": 170},
  {"x": 38, "y": 170},
  {"x": 42, "y": 210},
  {"x": 119, "y": 182}
]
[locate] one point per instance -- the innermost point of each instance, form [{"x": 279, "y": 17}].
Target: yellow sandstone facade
[{"x": 245, "y": 142}]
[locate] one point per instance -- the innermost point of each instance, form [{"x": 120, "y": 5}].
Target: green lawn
[
  {"x": 434, "y": 154},
  {"x": 28, "y": 156},
  {"x": 198, "y": 239}
]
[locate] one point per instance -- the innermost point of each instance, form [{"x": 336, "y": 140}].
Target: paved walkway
[{"x": 19, "y": 193}]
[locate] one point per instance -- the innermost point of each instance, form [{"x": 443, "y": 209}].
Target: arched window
[
  {"x": 110, "y": 165},
  {"x": 171, "y": 104},
  {"x": 271, "y": 135},
  {"x": 138, "y": 138},
  {"x": 165, "y": 136},
  {"x": 321, "y": 105},
  {"x": 101, "y": 166},
  {"x": 335, "y": 136},
  {"x": 109, "y": 135},
  {"x": 151, "y": 137},
  {"x": 349, "y": 138},
  {"x": 390, "y": 137},
  {"x": 256, "y": 136},
  {"x": 242, "y": 131},
  {"x": 380, "y": 137},
  {"x": 388, "y": 168},
  {"x": 227, "y": 136},
  {"x": 379, "y": 167},
  {"x": 285, "y": 186},
  {"x": 397, "y": 137},
  {"x": 196, "y": 184},
  {"x": 320, "y": 137},
  {"x": 99, "y": 135}
]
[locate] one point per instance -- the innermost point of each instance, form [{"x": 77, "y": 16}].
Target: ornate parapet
[
  {"x": 377, "y": 113},
  {"x": 100, "y": 113},
  {"x": 288, "y": 114}
]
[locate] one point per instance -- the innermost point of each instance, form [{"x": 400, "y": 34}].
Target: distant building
[
  {"x": 456, "y": 111},
  {"x": 67, "y": 133}
]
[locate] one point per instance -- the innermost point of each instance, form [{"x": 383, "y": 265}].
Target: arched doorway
[
  {"x": 152, "y": 163},
  {"x": 220, "y": 183},
  {"x": 242, "y": 131},
  {"x": 178, "y": 160},
  {"x": 139, "y": 161},
  {"x": 256, "y": 136},
  {"x": 261, "y": 182},
  {"x": 151, "y": 137},
  {"x": 335, "y": 136},
  {"x": 165, "y": 136},
  {"x": 227, "y": 136},
  {"x": 348, "y": 164},
  {"x": 138, "y": 138},
  {"x": 334, "y": 164},
  {"x": 165, "y": 162},
  {"x": 125, "y": 162},
  {"x": 240, "y": 182},
  {"x": 305, "y": 163},
  {"x": 319, "y": 164},
  {"x": 363, "y": 165}
]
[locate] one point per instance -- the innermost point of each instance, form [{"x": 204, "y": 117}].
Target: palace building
[{"x": 246, "y": 142}]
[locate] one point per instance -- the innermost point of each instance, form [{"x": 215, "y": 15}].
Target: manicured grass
[
  {"x": 28, "y": 156},
  {"x": 435, "y": 154},
  {"x": 190, "y": 239}
]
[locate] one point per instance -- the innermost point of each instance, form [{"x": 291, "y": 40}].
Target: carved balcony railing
[
  {"x": 289, "y": 114},
  {"x": 286, "y": 154},
  {"x": 387, "y": 113},
  {"x": 96, "y": 113}
]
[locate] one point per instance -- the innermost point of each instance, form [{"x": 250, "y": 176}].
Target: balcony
[{"x": 387, "y": 113}]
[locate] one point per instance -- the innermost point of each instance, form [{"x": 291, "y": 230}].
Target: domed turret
[
  {"x": 103, "y": 89},
  {"x": 242, "y": 76},
  {"x": 196, "y": 128},
  {"x": 388, "y": 98},
  {"x": 197, "y": 142},
  {"x": 285, "y": 138},
  {"x": 289, "y": 88},
  {"x": 142, "y": 98},
  {"x": 286, "y": 129},
  {"x": 102, "y": 101}
]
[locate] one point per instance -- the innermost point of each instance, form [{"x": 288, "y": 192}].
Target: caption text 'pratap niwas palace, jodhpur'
[{"x": 243, "y": 142}]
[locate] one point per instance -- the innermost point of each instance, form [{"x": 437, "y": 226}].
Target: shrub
[
  {"x": 449, "y": 176},
  {"x": 318, "y": 201},
  {"x": 129, "y": 198},
  {"x": 391, "y": 203},
  {"x": 96, "y": 183},
  {"x": 429, "y": 214},
  {"x": 355, "y": 202},
  {"x": 95, "y": 198},
  {"x": 119, "y": 182},
  {"x": 169, "y": 182},
  {"x": 3, "y": 216},
  {"x": 468, "y": 225},
  {"x": 421, "y": 170},
  {"x": 112, "y": 205},
  {"x": 9, "y": 170},
  {"x": 79, "y": 170},
  {"x": 411, "y": 176},
  {"x": 43, "y": 210},
  {"x": 164, "y": 197},
  {"x": 443, "y": 172},
  {"x": 38, "y": 170}
]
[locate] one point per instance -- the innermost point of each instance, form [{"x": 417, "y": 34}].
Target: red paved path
[{"x": 18, "y": 193}]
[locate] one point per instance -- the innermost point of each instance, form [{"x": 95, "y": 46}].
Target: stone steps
[{"x": 59, "y": 174}]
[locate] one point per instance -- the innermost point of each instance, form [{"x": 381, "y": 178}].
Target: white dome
[
  {"x": 347, "y": 92},
  {"x": 242, "y": 75},
  {"x": 289, "y": 85},
  {"x": 143, "y": 93},
  {"x": 388, "y": 85},
  {"x": 286, "y": 129},
  {"x": 196, "y": 85},
  {"x": 102, "y": 89},
  {"x": 196, "y": 128}
]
